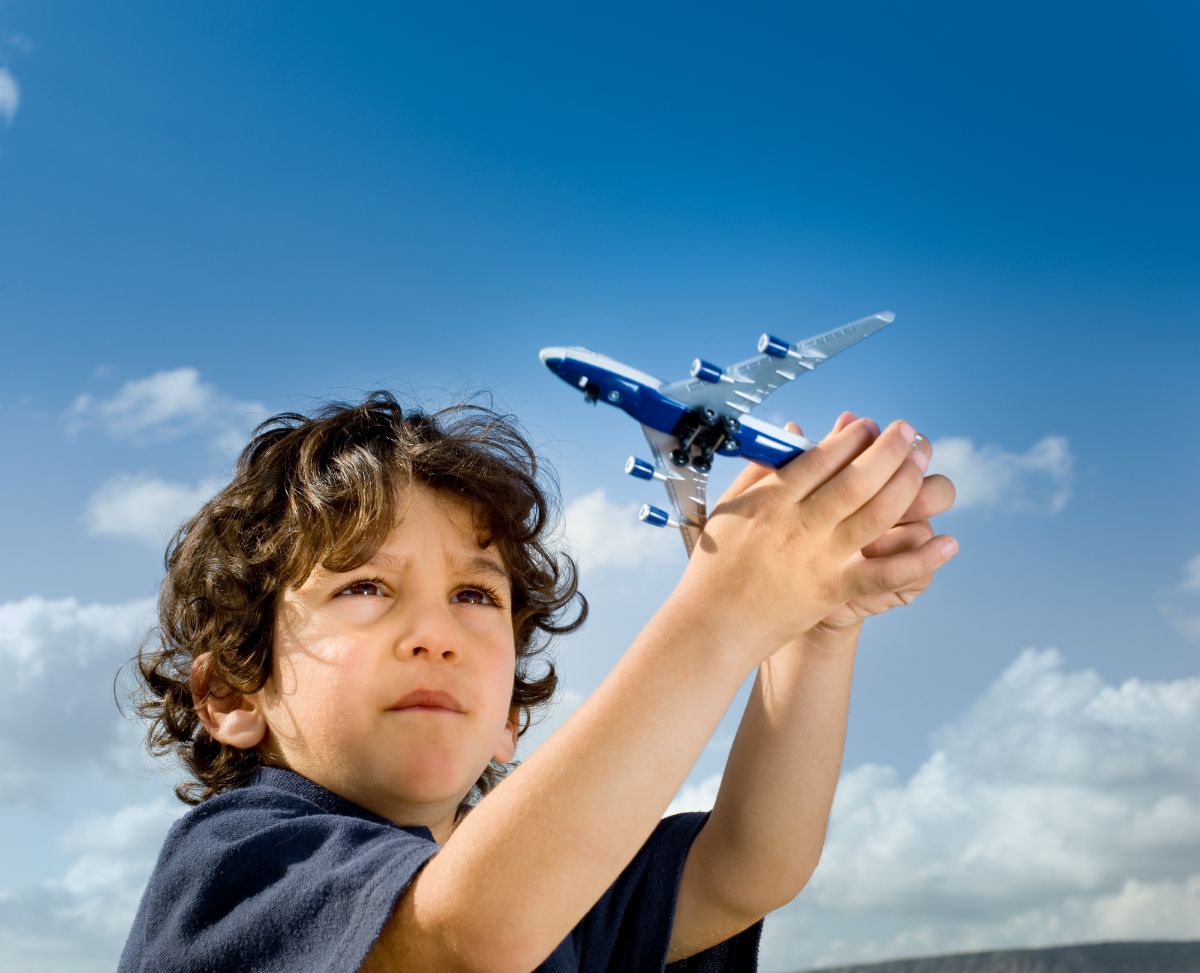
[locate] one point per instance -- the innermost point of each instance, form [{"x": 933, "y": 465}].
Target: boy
[{"x": 350, "y": 632}]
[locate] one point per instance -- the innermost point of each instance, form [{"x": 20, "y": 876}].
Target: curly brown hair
[{"x": 325, "y": 490}]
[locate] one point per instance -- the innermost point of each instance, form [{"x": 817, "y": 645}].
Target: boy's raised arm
[
  {"x": 528, "y": 863},
  {"x": 764, "y": 837}
]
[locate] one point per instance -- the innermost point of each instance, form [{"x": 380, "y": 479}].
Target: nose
[{"x": 432, "y": 634}]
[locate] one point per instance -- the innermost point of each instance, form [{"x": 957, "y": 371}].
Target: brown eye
[
  {"x": 475, "y": 596},
  {"x": 366, "y": 587}
]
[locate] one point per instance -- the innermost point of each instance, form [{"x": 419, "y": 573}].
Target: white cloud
[
  {"x": 602, "y": 534},
  {"x": 57, "y": 709},
  {"x": 1181, "y": 606},
  {"x": 164, "y": 406},
  {"x": 1059, "y": 808},
  {"x": 988, "y": 476},
  {"x": 79, "y": 921},
  {"x": 139, "y": 506},
  {"x": 10, "y": 96},
  {"x": 102, "y": 888}
]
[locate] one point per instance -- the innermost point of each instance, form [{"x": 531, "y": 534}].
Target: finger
[
  {"x": 843, "y": 421},
  {"x": 751, "y": 473},
  {"x": 904, "y": 537},
  {"x": 899, "y": 572},
  {"x": 861, "y": 479},
  {"x": 882, "y": 511},
  {"x": 804, "y": 474},
  {"x": 935, "y": 498}
]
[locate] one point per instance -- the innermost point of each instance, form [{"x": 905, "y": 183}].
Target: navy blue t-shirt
[{"x": 282, "y": 874}]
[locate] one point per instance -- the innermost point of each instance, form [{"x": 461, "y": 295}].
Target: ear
[
  {"x": 508, "y": 740},
  {"x": 228, "y": 716}
]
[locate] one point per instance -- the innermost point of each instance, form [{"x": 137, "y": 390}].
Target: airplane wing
[
  {"x": 746, "y": 384},
  {"x": 685, "y": 487}
]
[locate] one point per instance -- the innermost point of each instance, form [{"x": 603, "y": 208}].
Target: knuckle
[
  {"x": 909, "y": 483},
  {"x": 893, "y": 574},
  {"x": 817, "y": 463},
  {"x": 874, "y": 519},
  {"x": 839, "y": 492}
]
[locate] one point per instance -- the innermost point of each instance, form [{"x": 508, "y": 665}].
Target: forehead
[{"x": 436, "y": 524}]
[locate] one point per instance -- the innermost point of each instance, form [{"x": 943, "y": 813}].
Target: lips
[{"x": 428, "y": 699}]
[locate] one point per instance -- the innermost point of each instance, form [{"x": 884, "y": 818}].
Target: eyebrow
[{"x": 480, "y": 563}]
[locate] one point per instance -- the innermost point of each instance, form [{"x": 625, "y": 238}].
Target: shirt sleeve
[
  {"x": 254, "y": 888},
  {"x": 630, "y": 927}
]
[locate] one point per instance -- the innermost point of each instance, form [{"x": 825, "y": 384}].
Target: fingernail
[
  {"x": 920, "y": 459},
  {"x": 907, "y": 432},
  {"x": 949, "y": 547}
]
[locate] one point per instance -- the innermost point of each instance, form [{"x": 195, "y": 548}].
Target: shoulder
[
  {"x": 274, "y": 834},
  {"x": 267, "y": 872},
  {"x": 234, "y": 821}
]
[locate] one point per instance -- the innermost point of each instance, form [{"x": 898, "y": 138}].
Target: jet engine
[{"x": 650, "y": 514}]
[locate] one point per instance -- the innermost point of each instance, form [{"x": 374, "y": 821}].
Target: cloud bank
[
  {"x": 144, "y": 508},
  {"x": 79, "y": 920},
  {"x": 57, "y": 710},
  {"x": 165, "y": 406},
  {"x": 1058, "y": 808},
  {"x": 990, "y": 477},
  {"x": 603, "y": 534}
]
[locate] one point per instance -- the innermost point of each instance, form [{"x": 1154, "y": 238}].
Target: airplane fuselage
[{"x": 604, "y": 379}]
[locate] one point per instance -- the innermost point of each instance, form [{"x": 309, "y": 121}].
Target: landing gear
[{"x": 701, "y": 432}]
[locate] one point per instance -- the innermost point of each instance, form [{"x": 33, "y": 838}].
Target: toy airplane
[{"x": 687, "y": 423}]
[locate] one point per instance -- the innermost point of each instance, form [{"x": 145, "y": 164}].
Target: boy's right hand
[{"x": 778, "y": 551}]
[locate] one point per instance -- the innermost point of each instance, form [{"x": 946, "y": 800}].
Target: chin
[{"x": 431, "y": 780}]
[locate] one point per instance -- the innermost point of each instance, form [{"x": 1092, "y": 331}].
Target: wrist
[
  {"x": 728, "y": 633},
  {"x": 824, "y": 637}
]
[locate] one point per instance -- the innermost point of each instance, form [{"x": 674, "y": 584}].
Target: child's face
[{"x": 349, "y": 648}]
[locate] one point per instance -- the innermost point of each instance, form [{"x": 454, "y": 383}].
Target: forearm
[
  {"x": 525, "y": 866},
  {"x": 769, "y": 821}
]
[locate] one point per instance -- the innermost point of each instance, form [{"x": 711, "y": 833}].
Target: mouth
[{"x": 428, "y": 699}]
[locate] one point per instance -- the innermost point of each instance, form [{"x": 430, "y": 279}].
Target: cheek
[
  {"x": 313, "y": 685},
  {"x": 503, "y": 672}
]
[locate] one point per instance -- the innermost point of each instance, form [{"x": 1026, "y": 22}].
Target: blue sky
[{"x": 212, "y": 212}]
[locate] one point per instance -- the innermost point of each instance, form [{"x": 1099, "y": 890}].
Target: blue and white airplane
[{"x": 687, "y": 423}]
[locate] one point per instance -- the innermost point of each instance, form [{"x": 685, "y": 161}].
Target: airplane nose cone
[{"x": 554, "y": 358}]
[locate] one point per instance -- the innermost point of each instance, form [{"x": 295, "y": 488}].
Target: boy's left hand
[{"x": 912, "y": 530}]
